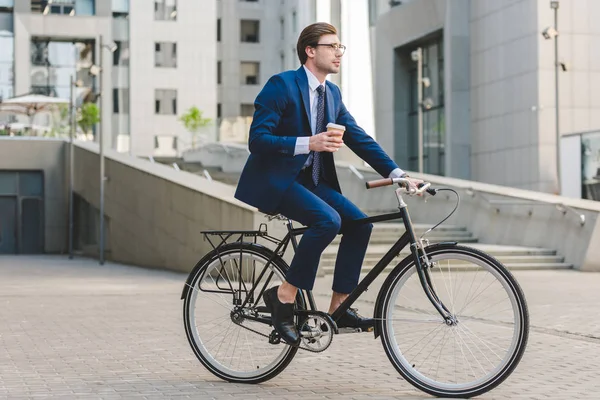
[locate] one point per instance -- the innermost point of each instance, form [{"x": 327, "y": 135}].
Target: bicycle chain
[{"x": 267, "y": 336}]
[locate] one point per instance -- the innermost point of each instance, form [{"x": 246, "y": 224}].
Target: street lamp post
[
  {"x": 420, "y": 107},
  {"x": 71, "y": 167},
  {"x": 101, "y": 146},
  {"x": 112, "y": 47},
  {"x": 554, "y": 6},
  {"x": 552, "y": 33}
]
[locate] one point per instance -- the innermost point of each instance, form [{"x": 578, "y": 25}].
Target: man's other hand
[
  {"x": 326, "y": 141},
  {"x": 413, "y": 183}
]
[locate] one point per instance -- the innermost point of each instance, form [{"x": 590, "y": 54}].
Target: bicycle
[{"x": 429, "y": 300}]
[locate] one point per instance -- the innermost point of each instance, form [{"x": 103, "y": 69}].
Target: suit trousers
[{"x": 324, "y": 210}]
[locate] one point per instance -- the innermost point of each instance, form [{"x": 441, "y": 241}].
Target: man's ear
[{"x": 310, "y": 51}]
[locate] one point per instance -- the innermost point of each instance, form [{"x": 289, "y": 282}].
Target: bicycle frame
[{"x": 408, "y": 238}]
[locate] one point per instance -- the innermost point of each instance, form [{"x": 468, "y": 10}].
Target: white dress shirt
[{"x": 302, "y": 142}]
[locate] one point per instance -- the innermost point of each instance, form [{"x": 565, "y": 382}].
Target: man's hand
[
  {"x": 413, "y": 183},
  {"x": 326, "y": 141}
]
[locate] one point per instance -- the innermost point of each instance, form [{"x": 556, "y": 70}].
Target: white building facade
[{"x": 163, "y": 63}]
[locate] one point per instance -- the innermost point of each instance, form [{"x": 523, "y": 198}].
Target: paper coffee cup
[{"x": 331, "y": 126}]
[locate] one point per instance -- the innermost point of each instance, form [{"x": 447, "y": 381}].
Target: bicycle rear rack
[{"x": 227, "y": 237}]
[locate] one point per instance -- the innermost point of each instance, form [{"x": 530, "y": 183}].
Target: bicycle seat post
[{"x": 293, "y": 239}]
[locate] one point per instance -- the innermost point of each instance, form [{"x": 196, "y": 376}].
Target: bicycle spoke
[
  {"x": 234, "y": 348},
  {"x": 459, "y": 353},
  {"x": 469, "y": 331}
]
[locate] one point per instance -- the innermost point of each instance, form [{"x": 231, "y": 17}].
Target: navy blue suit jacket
[{"x": 281, "y": 115}]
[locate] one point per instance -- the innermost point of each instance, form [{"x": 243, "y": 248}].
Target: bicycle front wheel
[
  {"x": 477, "y": 351},
  {"x": 228, "y": 343}
]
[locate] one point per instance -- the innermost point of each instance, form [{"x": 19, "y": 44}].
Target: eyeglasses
[{"x": 334, "y": 46}]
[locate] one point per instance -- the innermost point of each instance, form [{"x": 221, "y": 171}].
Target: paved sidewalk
[{"x": 74, "y": 329}]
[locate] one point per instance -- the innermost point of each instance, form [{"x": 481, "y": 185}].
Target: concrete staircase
[{"x": 385, "y": 234}]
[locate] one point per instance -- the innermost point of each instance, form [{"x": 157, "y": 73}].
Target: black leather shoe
[
  {"x": 352, "y": 319},
  {"x": 282, "y": 317}
]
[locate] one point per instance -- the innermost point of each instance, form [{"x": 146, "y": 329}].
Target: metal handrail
[
  {"x": 355, "y": 171},
  {"x": 559, "y": 206}
]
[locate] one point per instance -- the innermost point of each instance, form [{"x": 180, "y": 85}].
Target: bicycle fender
[{"x": 378, "y": 311}]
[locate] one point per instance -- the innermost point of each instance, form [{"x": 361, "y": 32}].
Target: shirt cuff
[
  {"x": 302, "y": 145},
  {"x": 396, "y": 173}
]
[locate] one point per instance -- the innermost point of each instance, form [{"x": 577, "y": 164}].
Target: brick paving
[{"x": 74, "y": 329}]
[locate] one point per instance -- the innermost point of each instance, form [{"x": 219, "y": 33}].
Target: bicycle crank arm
[{"x": 308, "y": 313}]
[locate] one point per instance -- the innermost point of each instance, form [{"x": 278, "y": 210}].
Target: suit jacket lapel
[
  {"x": 302, "y": 82},
  {"x": 330, "y": 107}
]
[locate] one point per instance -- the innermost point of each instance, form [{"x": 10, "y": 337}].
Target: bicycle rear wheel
[
  {"x": 227, "y": 343},
  {"x": 475, "y": 353}
]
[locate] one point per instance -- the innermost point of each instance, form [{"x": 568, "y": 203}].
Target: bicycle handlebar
[{"x": 404, "y": 183}]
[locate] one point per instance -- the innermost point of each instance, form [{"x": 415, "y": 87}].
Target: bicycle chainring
[{"x": 316, "y": 333}]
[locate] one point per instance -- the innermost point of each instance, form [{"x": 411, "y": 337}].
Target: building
[
  {"x": 255, "y": 40},
  {"x": 169, "y": 44},
  {"x": 491, "y": 111}
]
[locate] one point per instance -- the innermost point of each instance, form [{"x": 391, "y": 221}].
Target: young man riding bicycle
[{"x": 291, "y": 171}]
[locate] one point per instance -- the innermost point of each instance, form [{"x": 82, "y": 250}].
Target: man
[{"x": 291, "y": 171}]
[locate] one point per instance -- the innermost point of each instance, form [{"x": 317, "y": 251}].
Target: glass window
[
  {"x": 31, "y": 184},
  {"x": 121, "y": 55},
  {"x": 434, "y": 139},
  {"x": 165, "y": 54},
  {"x": 246, "y": 110},
  {"x": 590, "y": 169},
  {"x": 165, "y": 10},
  {"x": 249, "y": 73},
  {"x": 372, "y": 12},
  {"x": 8, "y": 183},
  {"x": 84, "y": 7},
  {"x": 64, "y": 7},
  {"x": 294, "y": 22},
  {"x": 121, "y": 101},
  {"x": 219, "y": 72},
  {"x": 120, "y": 6},
  {"x": 61, "y": 54},
  {"x": 218, "y": 29},
  {"x": 165, "y": 102},
  {"x": 7, "y": 3},
  {"x": 6, "y": 55},
  {"x": 249, "y": 31},
  {"x": 53, "y": 63}
]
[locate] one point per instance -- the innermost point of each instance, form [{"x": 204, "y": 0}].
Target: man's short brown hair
[{"x": 310, "y": 36}]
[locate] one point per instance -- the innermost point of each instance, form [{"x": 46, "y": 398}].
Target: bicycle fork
[{"x": 418, "y": 250}]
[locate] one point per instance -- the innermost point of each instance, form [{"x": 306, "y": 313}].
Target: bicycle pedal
[{"x": 274, "y": 337}]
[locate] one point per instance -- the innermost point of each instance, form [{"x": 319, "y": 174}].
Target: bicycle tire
[
  {"x": 398, "y": 357},
  {"x": 238, "y": 249}
]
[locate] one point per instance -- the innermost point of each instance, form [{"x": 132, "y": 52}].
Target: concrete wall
[
  {"x": 155, "y": 213},
  {"x": 504, "y": 93},
  {"x": 49, "y": 156},
  {"x": 526, "y": 218}
]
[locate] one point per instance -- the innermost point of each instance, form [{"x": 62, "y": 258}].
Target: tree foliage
[{"x": 194, "y": 122}]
